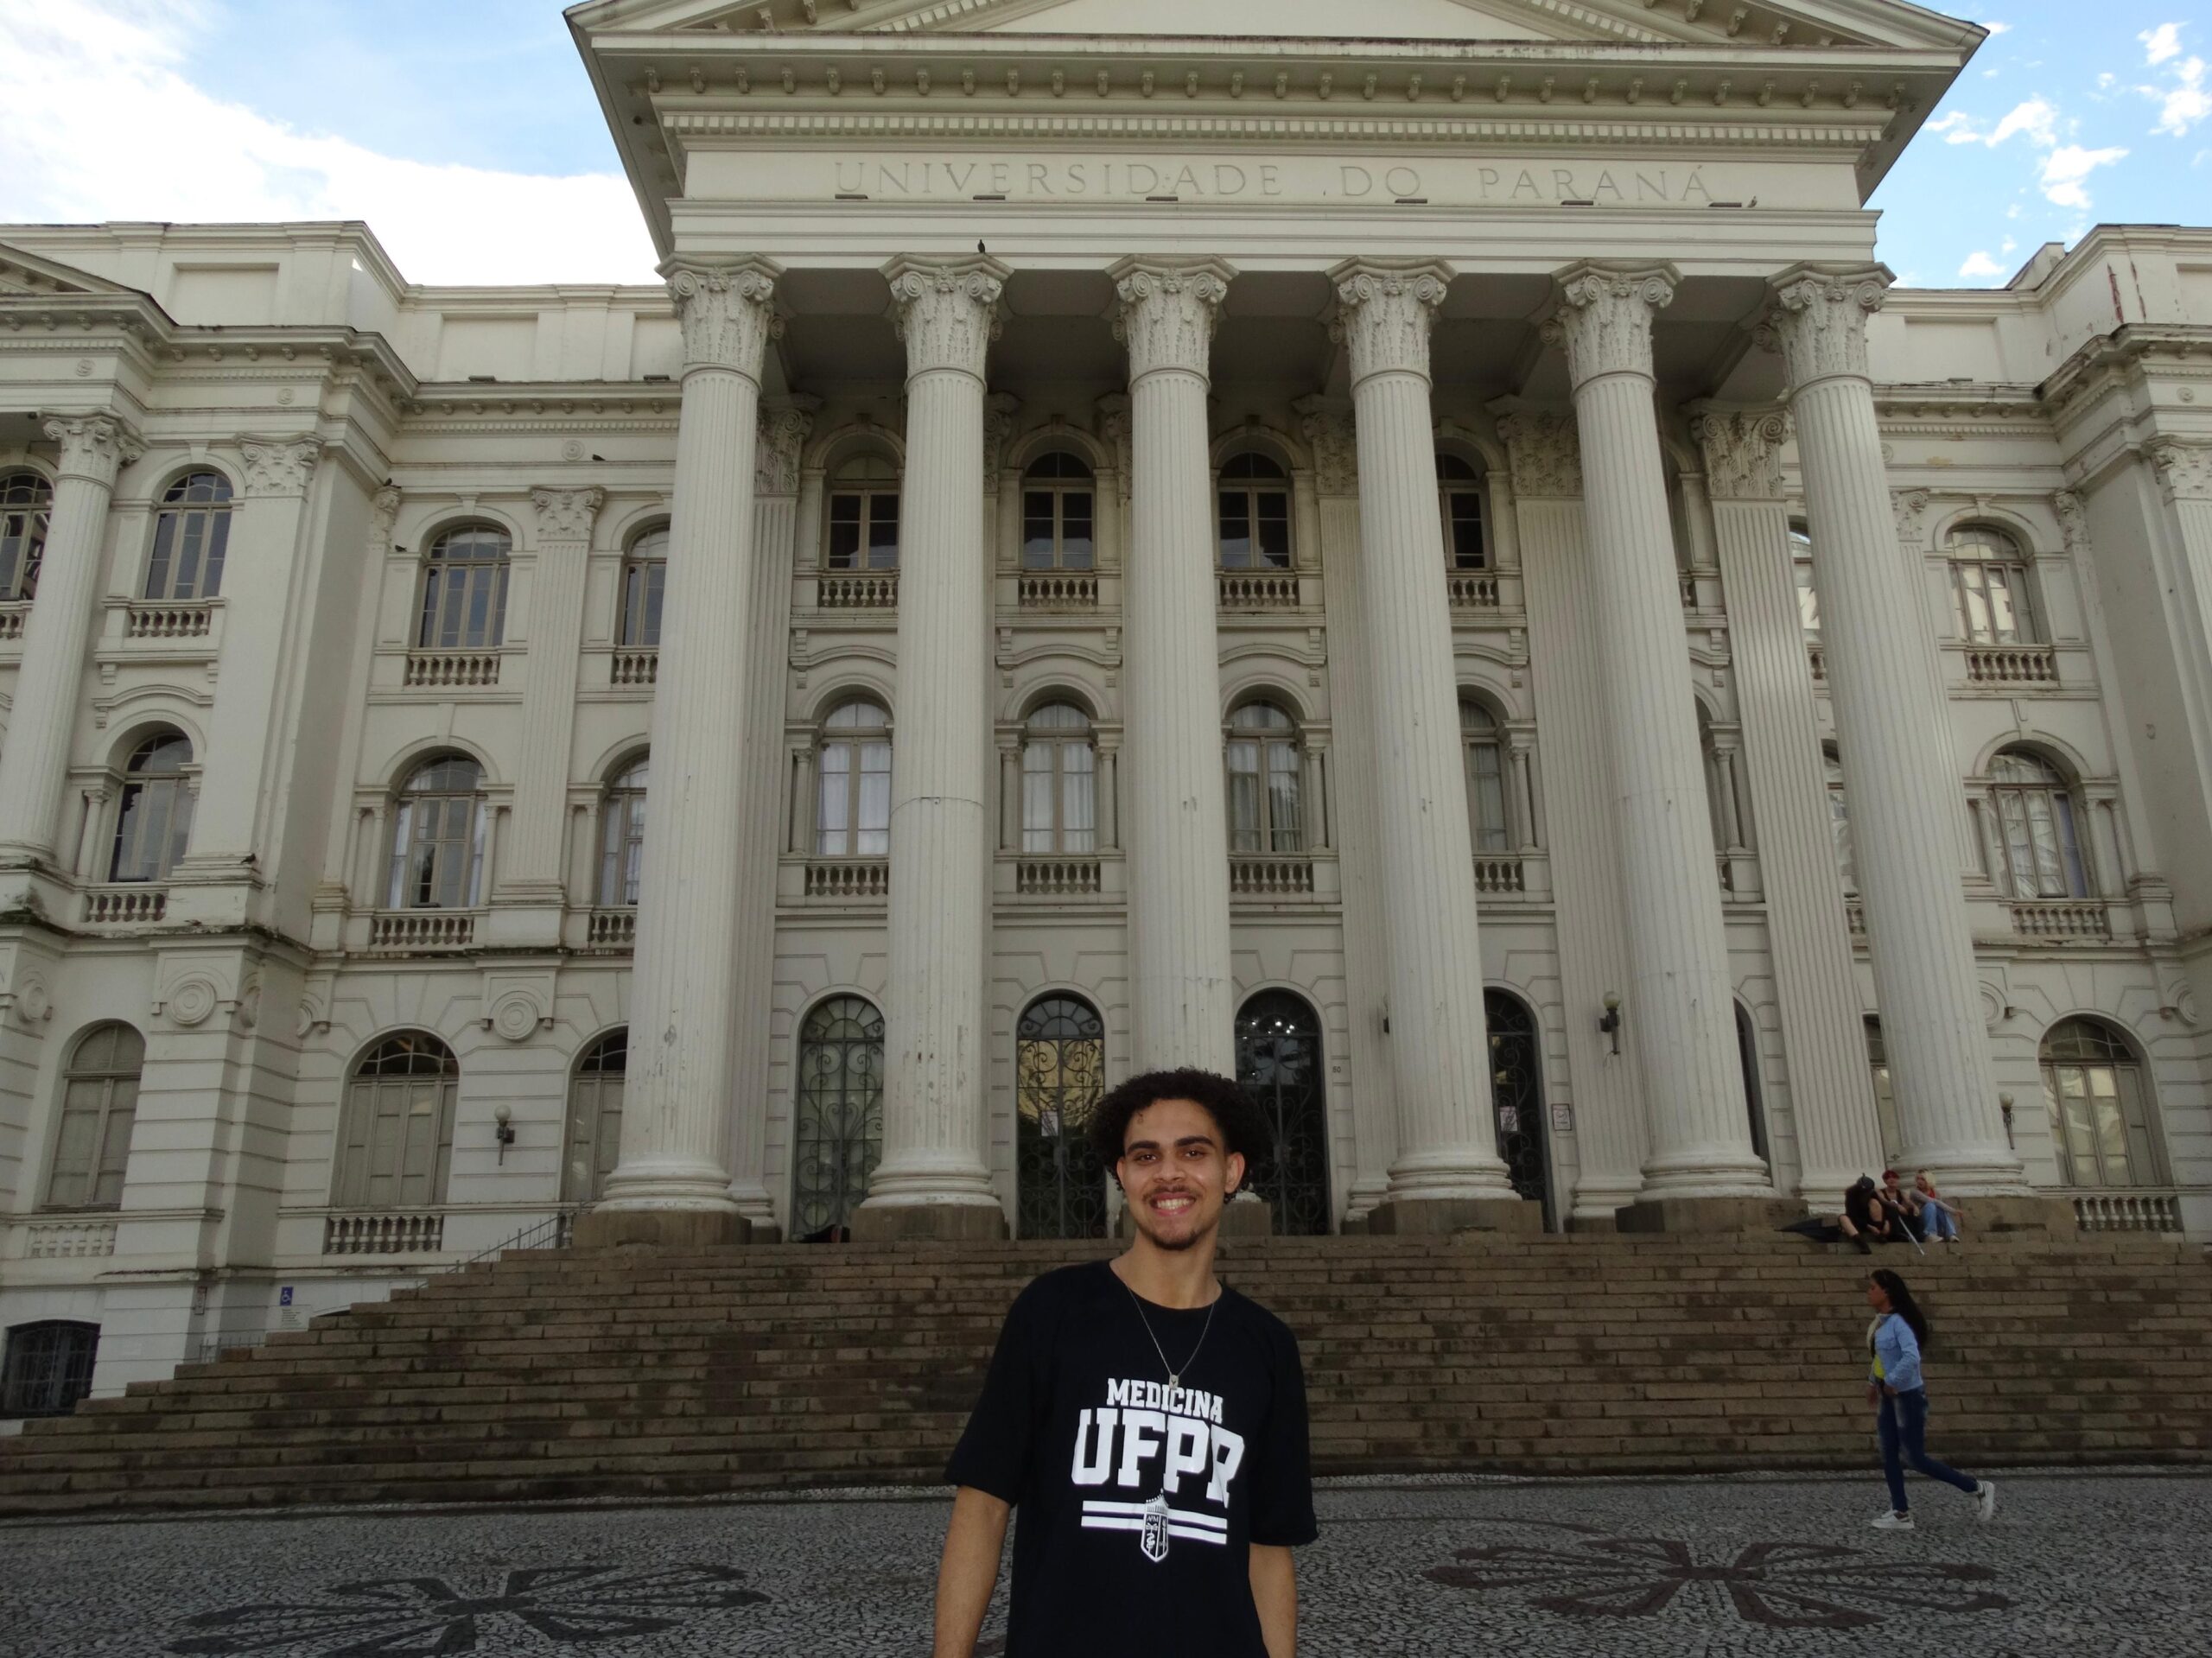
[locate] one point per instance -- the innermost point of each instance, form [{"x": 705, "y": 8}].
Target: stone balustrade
[
  {"x": 1058, "y": 590},
  {"x": 2044, "y": 917},
  {"x": 1498, "y": 874},
  {"x": 2140, "y": 1210},
  {"x": 67, "y": 1237},
  {"x": 850, "y": 879},
  {"x": 467, "y": 670},
  {"x": 1275, "y": 876},
  {"x": 1057, "y": 878},
  {"x": 1472, "y": 590},
  {"x": 418, "y": 1232},
  {"x": 613, "y": 929},
  {"x": 634, "y": 668},
  {"x": 2012, "y": 665},
  {"x": 1261, "y": 590},
  {"x": 185, "y": 621},
  {"x": 132, "y": 903},
  {"x": 11, "y": 622},
  {"x": 878, "y": 591},
  {"x": 423, "y": 931}
]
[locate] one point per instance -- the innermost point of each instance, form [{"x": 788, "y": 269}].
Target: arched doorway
[
  {"x": 1279, "y": 1058},
  {"x": 2103, "y": 1121},
  {"x": 1518, "y": 1088},
  {"x": 1059, "y": 1076},
  {"x": 837, "y": 1116}
]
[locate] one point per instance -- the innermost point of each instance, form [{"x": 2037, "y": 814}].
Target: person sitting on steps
[{"x": 1866, "y": 1220}]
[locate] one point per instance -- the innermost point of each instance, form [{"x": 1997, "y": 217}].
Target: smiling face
[{"x": 1176, "y": 1173}]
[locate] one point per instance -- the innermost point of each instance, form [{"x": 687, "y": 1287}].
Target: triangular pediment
[{"x": 25, "y": 273}]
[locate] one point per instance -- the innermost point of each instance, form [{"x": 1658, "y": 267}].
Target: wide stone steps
[{"x": 642, "y": 1373}]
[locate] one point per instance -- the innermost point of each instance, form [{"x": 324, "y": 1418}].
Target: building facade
[{"x": 1431, "y": 571}]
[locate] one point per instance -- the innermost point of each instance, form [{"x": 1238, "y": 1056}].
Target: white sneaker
[
  {"x": 1985, "y": 1497},
  {"x": 1893, "y": 1522}
]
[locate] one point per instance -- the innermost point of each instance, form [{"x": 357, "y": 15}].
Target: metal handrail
[{"x": 554, "y": 1232}]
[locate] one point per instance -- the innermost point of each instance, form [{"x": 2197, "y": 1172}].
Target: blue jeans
[
  {"x": 1903, "y": 1425},
  {"x": 1937, "y": 1221}
]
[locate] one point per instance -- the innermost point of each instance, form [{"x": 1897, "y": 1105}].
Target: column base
[
  {"x": 929, "y": 1223},
  {"x": 2052, "y": 1216},
  {"x": 1693, "y": 1215},
  {"x": 659, "y": 1228},
  {"x": 1436, "y": 1217}
]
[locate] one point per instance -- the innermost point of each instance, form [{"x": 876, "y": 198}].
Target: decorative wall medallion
[
  {"x": 566, "y": 1606},
  {"x": 1590, "y": 1575},
  {"x": 573, "y": 449},
  {"x": 32, "y": 1005},
  {"x": 191, "y": 1000},
  {"x": 246, "y": 1013},
  {"x": 516, "y": 1014}
]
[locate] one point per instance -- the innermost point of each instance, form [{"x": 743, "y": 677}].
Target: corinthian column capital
[
  {"x": 947, "y": 311},
  {"x": 2184, "y": 469},
  {"x": 1742, "y": 451},
  {"x": 1604, "y": 318},
  {"x": 1165, "y": 310},
  {"x": 94, "y": 447},
  {"x": 1816, "y": 318},
  {"x": 279, "y": 466},
  {"x": 785, "y": 424},
  {"x": 1543, "y": 451},
  {"x": 1385, "y": 312},
  {"x": 1335, "y": 440},
  {"x": 727, "y": 311},
  {"x": 567, "y": 514}
]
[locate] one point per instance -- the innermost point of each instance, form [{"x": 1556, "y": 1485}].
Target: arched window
[
  {"x": 1459, "y": 499},
  {"x": 396, "y": 1139},
  {"x": 1801, "y": 568},
  {"x": 1059, "y": 1076},
  {"x": 622, "y": 836},
  {"x": 437, "y": 837},
  {"x": 853, "y": 814},
  {"x": 99, "y": 1104},
  {"x": 1886, "y": 1098},
  {"x": 1263, "y": 781},
  {"x": 1847, "y": 863},
  {"x": 48, "y": 1368},
  {"x": 465, "y": 590},
  {"x": 1059, "y": 797},
  {"x": 2033, "y": 849},
  {"x": 2100, "y": 1103},
  {"x": 192, "y": 533},
  {"x": 1989, "y": 588},
  {"x": 25, "y": 509},
  {"x": 1255, "y": 514},
  {"x": 1517, "y": 1097},
  {"x": 1279, "y": 1059},
  {"x": 154, "y": 820},
  {"x": 644, "y": 581},
  {"x": 1057, "y": 530},
  {"x": 596, "y": 1118},
  {"x": 837, "y": 1119},
  {"x": 863, "y": 521},
  {"x": 1484, "y": 750}
]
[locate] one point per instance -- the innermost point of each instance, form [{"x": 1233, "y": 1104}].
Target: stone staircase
[{"x": 548, "y": 1375}]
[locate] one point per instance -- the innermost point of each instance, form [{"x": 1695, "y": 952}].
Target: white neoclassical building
[{"x": 1430, "y": 570}]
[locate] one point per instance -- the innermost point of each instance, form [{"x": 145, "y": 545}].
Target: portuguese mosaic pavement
[{"x": 2113, "y": 1565}]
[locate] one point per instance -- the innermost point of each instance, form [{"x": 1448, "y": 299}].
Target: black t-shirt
[
  {"x": 1135, "y": 1506},
  {"x": 1858, "y": 1206}
]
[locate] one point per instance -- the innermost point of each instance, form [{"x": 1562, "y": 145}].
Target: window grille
[
  {"x": 837, "y": 1120},
  {"x": 47, "y": 1368}
]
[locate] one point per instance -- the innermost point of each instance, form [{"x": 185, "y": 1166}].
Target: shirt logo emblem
[{"x": 1154, "y": 1542}]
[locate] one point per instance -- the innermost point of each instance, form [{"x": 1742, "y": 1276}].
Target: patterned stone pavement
[{"x": 2113, "y": 1565}]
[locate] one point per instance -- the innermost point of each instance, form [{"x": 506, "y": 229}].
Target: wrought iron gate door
[
  {"x": 1059, "y": 1077},
  {"x": 1517, "y": 1085},
  {"x": 837, "y": 1130},
  {"x": 1279, "y": 1058}
]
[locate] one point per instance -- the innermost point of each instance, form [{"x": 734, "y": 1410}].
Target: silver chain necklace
[{"x": 1174, "y": 1373}]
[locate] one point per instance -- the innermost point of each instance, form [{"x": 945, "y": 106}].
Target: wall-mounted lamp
[
  {"x": 2005, "y": 1105},
  {"x": 504, "y": 1130},
  {"x": 1611, "y": 1024}
]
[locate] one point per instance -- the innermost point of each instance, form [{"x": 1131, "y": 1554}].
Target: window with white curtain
[
  {"x": 1484, "y": 751},
  {"x": 2034, "y": 851},
  {"x": 1989, "y": 588},
  {"x": 192, "y": 536},
  {"x": 99, "y": 1107},
  {"x": 154, "y": 820},
  {"x": 1263, "y": 781},
  {"x": 853, "y": 793},
  {"x": 622, "y": 836},
  {"x": 1059, "y": 776},
  {"x": 1058, "y": 533},
  {"x": 437, "y": 837}
]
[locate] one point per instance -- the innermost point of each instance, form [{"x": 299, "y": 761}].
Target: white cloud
[
  {"x": 102, "y": 123},
  {"x": 2036, "y": 119},
  {"x": 2064, "y": 170},
  {"x": 1998, "y": 29},
  {"x": 1981, "y": 267},
  {"x": 2160, "y": 44},
  {"x": 2187, "y": 102}
]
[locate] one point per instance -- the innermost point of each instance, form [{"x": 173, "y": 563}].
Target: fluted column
[
  {"x": 1447, "y": 1173},
  {"x": 94, "y": 448},
  {"x": 672, "y": 1183},
  {"x": 932, "y": 1181},
  {"x": 1677, "y": 1003},
  {"x": 1183, "y": 998},
  {"x": 1890, "y": 721}
]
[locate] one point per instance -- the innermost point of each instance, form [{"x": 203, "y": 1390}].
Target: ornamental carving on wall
[
  {"x": 947, "y": 313},
  {"x": 1545, "y": 453},
  {"x": 1818, "y": 322},
  {"x": 383, "y": 513},
  {"x": 1603, "y": 320},
  {"x": 191, "y": 1000},
  {"x": 279, "y": 466},
  {"x": 1385, "y": 315},
  {"x": 784, "y": 426},
  {"x": 1743, "y": 452},
  {"x": 97, "y": 447},
  {"x": 2184, "y": 469},
  {"x": 1334, "y": 439},
  {"x": 1114, "y": 432},
  {"x": 1909, "y": 507},
  {"x": 2073, "y": 520},
  {"x": 999, "y": 411},
  {"x": 567, "y": 514},
  {"x": 727, "y": 313},
  {"x": 516, "y": 1013},
  {"x": 1166, "y": 314}
]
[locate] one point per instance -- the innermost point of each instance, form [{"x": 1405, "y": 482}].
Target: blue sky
[{"x": 466, "y": 133}]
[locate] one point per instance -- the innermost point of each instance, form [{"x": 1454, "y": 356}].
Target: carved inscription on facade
[{"x": 1092, "y": 178}]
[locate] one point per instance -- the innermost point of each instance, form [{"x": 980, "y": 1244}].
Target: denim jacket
[{"x": 1898, "y": 1350}]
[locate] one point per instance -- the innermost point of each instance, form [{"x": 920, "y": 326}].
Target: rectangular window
[
  {"x": 1467, "y": 550},
  {"x": 1079, "y": 799},
  {"x": 832, "y": 825},
  {"x": 872, "y": 835},
  {"x": 1274, "y": 529},
  {"x": 1487, "y": 792},
  {"x": 844, "y": 552},
  {"x": 1287, "y": 833},
  {"x": 883, "y": 532},
  {"x": 1245, "y": 830}
]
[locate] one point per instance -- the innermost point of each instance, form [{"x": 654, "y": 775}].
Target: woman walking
[{"x": 1895, "y": 1390}]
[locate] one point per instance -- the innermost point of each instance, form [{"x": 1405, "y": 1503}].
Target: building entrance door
[
  {"x": 1517, "y": 1087},
  {"x": 1279, "y": 1058},
  {"x": 837, "y": 1116},
  {"x": 1059, "y": 1077}
]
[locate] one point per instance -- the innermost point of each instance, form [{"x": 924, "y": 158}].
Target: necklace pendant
[
  {"x": 1174, "y": 1382},
  {"x": 1154, "y": 1540}
]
